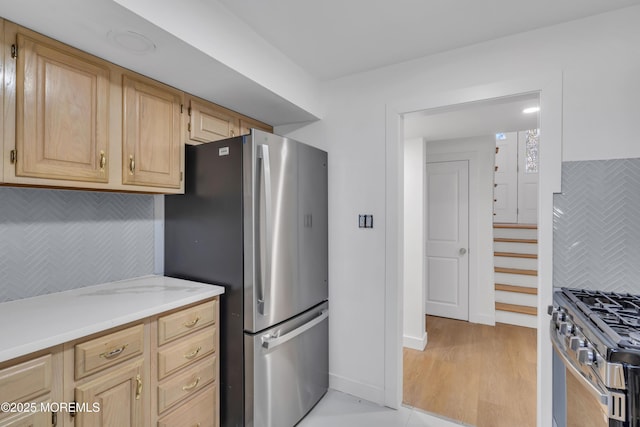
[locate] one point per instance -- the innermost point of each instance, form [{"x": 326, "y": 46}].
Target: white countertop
[{"x": 33, "y": 324}]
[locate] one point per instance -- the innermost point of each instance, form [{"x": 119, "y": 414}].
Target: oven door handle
[{"x": 601, "y": 396}]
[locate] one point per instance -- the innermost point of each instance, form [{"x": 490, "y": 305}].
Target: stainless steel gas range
[{"x": 597, "y": 337}]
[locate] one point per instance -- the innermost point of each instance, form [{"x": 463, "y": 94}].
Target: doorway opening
[{"x": 449, "y": 205}]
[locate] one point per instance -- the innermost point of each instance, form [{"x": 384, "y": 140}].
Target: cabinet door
[
  {"x": 152, "y": 149},
  {"x": 208, "y": 122},
  {"x": 246, "y": 124},
  {"x": 62, "y": 119},
  {"x": 119, "y": 397}
]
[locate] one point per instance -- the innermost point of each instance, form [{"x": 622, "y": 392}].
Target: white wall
[
  {"x": 600, "y": 61},
  {"x": 415, "y": 335}
]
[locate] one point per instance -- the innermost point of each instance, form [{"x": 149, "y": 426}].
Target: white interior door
[
  {"x": 528, "y": 177},
  {"x": 447, "y": 235},
  {"x": 505, "y": 191}
]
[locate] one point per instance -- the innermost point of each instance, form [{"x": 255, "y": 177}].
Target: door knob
[{"x": 462, "y": 251}]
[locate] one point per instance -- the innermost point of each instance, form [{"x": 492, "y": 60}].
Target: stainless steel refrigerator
[{"x": 254, "y": 220}]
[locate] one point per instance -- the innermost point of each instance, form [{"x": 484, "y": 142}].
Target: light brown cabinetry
[
  {"x": 108, "y": 377},
  {"x": 29, "y": 384},
  {"x": 120, "y": 395},
  {"x": 4, "y": 77},
  {"x": 186, "y": 371},
  {"x": 62, "y": 111},
  {"x": 152, "y": 146},
  {"x": 72, "y": 120},
  {"x": 210, "y": 122},
  {"x": 246, "y": 123}
]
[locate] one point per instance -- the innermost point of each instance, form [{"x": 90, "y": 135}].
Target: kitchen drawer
[
  {"x": 201, "y": 411},
  {"x": 186, "y": 384},
  {"x": 185, "y": 352},
  {"x": 27, "y": 380},
  {"x": 186, "y": 321},
  {"x": 28, "y": 419},
  {"x": 108, "y": 350}
]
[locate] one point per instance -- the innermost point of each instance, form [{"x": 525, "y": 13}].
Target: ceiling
[
  {"x": 473, "y": 119},
  {"x": 302, "y": 42},
  {"x": 334, "y": 38}
]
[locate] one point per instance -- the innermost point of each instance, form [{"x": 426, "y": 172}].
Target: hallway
[{"x": 481, "y": 375}]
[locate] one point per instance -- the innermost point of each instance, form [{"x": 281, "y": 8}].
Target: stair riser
[
  {"x": 519, "y": 319},
  {"x": 512, "y": 262},
  {"x": 517, "y": 298},
  {"x": 518, "y": 248},
  {"x": 516, "y": 279},
  {"x": 515, "y": 233}
]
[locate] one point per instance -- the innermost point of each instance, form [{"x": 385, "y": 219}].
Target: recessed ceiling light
[
  {"x": 531, "y": 110},
  {"x": 131, "y": 41}
]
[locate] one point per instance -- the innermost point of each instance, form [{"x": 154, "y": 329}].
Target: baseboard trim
[
  {"x": 482, "y": 319},
  {"x": 355, "y": 388},
  {"x": 414, "y": 342}
]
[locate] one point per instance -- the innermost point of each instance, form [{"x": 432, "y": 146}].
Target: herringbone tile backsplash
[
  {"x": 596, "y": 236},
  {"x": 55, "y": 240}
]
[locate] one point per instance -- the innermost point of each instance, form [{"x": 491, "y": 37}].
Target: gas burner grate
[{"x": 615, "y": 314}]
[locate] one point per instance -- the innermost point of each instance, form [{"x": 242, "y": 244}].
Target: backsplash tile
[
  {"x": 596, "y": 236},
  {"x": 55, "y": 240}
]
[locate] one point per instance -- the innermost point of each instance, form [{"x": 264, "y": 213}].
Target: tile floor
[{"x": 338, "y": 409}]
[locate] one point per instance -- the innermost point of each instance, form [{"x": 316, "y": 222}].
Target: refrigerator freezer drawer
[{"x": 287, "y": 369}]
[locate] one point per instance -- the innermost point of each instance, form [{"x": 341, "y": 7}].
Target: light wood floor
[{"x": 481, "y": 375}]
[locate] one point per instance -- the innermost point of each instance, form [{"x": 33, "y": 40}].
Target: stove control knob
[
  {"x": 575, "y": 343},
  {"x": 586, "y": 356},
  {"x": 566, "y": 328},
  {"x": 559, "y": 316}
]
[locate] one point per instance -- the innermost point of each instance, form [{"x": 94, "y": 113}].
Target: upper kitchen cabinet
[
  {"x": 152, "y": 148},
  {"x": 62, "y": 111},
  {"x": 2, "y": 83},
  {"x": 247, "y": 123},
  {"x": 209, "y": 122}
]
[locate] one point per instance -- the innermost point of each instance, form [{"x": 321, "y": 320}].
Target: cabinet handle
[
  {"x": 138, "y": 387},
  {"x": 233, "y": 132},
  {"x": 113, "y": 353},
  {"x": 132, "y": 165},
  {"x": 103, "y": 160},
  {"x": 192, "y": 385},
  {"x": 193, "y": 354},
  {"x": 192, "y": 323}
]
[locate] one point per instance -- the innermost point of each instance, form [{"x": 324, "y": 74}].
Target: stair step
[
  {"x": 518, "y": 289},
  {"x": 515, "y": 271},
  {"x": 502, "y": 239},
  {"x": 516, "y": 308},
  {"x": 515, "y": 255},
  {"x": 521, "y": 248},
  {"x": 523, "y": 226}
]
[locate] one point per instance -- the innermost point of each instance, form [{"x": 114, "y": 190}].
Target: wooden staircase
[{"x": 516, "y": 273}]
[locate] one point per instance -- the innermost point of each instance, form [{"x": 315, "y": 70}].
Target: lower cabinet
[
  {"x": 158, "y": 371},
  {"x": 115, "y": 399},
  {"x": 28, "y": 387},
  {"x": 185, "y": 376}
]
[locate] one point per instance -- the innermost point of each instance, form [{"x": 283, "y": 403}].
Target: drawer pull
[
  {"x": 192, "y": 323},
  {"x": 192, "y": 385},
  {"x": 113, "y": 353},
  {"x": 139, "y": 387},
  {"x": 103, "y": 160},
  {"x": 193, "y": 354}
]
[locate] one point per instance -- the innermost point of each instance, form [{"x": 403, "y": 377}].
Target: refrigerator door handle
[
  {"x": 265, "y": 280},
  {"x": 271, "y": 341}
]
